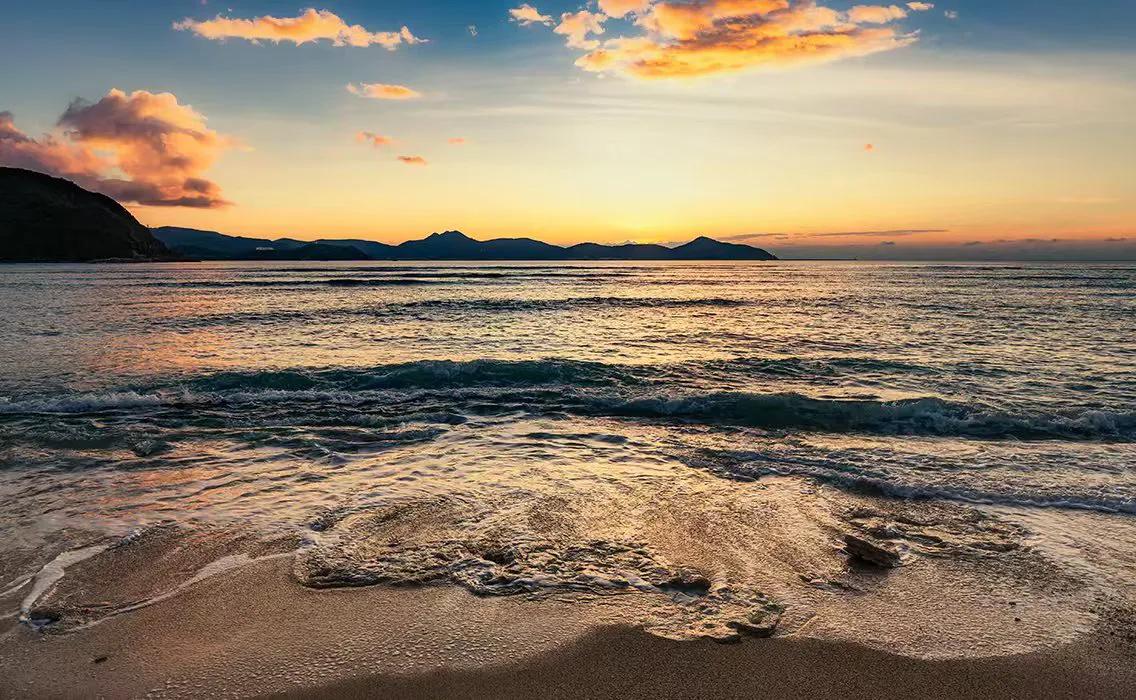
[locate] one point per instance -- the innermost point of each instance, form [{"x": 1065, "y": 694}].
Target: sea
[{"x": 590, "y": 428}]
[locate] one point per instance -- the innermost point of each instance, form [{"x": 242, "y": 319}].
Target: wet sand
[
  {"x": 255, "y": 632},
  {"x": 625, "y": 663}
]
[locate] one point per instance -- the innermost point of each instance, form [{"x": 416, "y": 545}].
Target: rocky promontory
[{"x": 49, "y": 219}]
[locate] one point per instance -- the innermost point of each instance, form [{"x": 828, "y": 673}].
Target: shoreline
[
  {"x": 255, "y": 632},
  {"x": 628, "y": 663}
]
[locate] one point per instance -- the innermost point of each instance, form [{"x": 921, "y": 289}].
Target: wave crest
[{"x": 542, "y": 387}]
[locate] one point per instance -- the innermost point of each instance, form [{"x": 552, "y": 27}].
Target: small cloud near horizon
[
  {"x": 383, "y": 91},
  {"x": 376, "y": 140},
  {"x": 412, "y": 160},
  {"x": 1087, "y": 200},
  {"x": 457, "y": 141},
  {"x": 836, "y": 234},
  {"x": 309, "y": 27}
]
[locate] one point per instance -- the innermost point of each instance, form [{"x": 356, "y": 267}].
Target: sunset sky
[{"x": 964, "y": 127}]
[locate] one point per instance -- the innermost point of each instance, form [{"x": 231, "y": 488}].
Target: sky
[{"x": 964, "y": 129}]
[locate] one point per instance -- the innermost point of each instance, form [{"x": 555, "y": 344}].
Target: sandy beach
[
  {"x": 623, "y": 663},
  {"x": 212, "y": 612},
  {"x": 255, "y": 632}
]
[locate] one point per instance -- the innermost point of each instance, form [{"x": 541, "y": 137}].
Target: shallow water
[{"x": 522, "y": 427}]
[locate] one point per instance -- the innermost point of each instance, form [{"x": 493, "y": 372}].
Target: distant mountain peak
[{"x": 449, "y": 236}]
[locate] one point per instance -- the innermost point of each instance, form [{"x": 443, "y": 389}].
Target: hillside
[{"x": 49, "y": 219}]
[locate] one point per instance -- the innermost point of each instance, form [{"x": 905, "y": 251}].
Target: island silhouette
[
  {"x": 49, "y": 219},
  {"x": 449, "y": 245}
]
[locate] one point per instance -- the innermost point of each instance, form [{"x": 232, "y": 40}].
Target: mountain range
[
  {"x": 450, "y": 245},
  {"x": 49, "y": 219}
]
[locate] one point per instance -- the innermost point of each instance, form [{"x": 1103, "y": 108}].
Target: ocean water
[{"x": 570, "y": 427}]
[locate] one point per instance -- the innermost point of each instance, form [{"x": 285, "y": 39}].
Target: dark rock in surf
[
  {"x": 688, "y": 581},
  {"x": 872, "y": 552},
  {"x": 760, "y": 622},
  {"x": 502, "y": 555}
]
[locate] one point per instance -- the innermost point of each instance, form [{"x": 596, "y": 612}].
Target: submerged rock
[
  {"x": 503, "y": 555},
  {"x": 687, "y": 581},
  {"x": 938, "y": 530},
  {"x": 761, "y": 622},
  {"x": 150, "y": 447},
  {"x": 873, "y": 552}
]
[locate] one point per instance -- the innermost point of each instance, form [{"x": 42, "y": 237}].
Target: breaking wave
[
  {"x": 898, "y": 486},
  {"x": 673, "y": 393},
  {"x": 921, "y": 416}
]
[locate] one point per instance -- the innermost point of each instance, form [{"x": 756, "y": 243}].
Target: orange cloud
[
  {"x": 704, "y": 37},
  {"x": 48, "y": 154},
  {"x": 376, "y": 140},
  {"x": 622, "y": 8},
  {"x": 458, "y": 141},
  {"x": 311, "y": 26},
  {"x": 875, "y": 14},
  {"x": 869, "y": 147},
  {"x": 413, "y": 160},
  {"x": 527, "y": 14},
  {"x": 920, "y": 6},
  {"x": 141, "y": 148},
  {"x": 681, "y": 20},
  {"x": 383, "y": 91},
  {"x": 578, "y": 25}
]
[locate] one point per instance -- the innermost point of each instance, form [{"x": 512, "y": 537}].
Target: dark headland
[{"x": 49, "y": 219}]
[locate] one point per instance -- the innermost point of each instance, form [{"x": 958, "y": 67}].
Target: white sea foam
[{"x": 53, "y": 571}]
